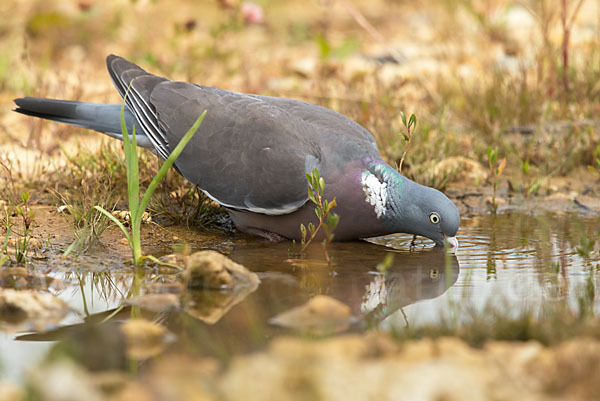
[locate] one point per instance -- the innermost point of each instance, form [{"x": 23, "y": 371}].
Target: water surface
[{"x": 522, "y": 261}]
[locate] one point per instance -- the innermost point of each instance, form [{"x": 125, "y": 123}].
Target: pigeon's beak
[{"x": 453, "y": 242}]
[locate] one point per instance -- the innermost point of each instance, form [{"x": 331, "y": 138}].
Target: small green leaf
[
  {"x": 534, "y": 187},
  {"x": 114, "y": 220},
  {"x": 311, "y": 228},
  {"x": 332, "y": 221},
  {"x": 412, "y": 122},
  {"x": 403, "y": 118},
  {"x": 324, "y": 46},
  {"x": 316, "y": 175},
  {"x": 311, "y": 195},
  {"x": 406, "y": 137},
  {"x": 321, "y": 185}
]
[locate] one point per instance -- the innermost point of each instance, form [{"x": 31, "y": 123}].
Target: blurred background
[{"x": 521, "y": 77}]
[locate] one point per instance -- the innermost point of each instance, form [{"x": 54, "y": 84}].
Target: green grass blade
[
  {"x": 133, "y": 182},
  {"x": 161, "y": 263},
  {"x": 168, "y": 163},
  {"x": 131, "y": 160},
  {"x": 114, "y": 220}
]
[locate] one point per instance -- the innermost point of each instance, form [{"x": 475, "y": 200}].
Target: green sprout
[
  {"x": 595, "y": 169},
  {"x": 410, "y": 130},
  {"x": 7, "y": 227},
  {"x": 137, "y": 207},
  {"x": 328, "y": 221},
  {"x": 27, "y": 216},
  {"x": 18, "y": 206},
  {"x": 531, "y": 186}
]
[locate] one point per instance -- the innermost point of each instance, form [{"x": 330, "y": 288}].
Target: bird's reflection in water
[
  {"x": 353, "y": 277},
  {"x": 242, "y": 325}
]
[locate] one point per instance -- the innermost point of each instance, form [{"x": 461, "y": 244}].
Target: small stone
[
  {"x": 64, "y": 209},
  {"x": 320, "y": 315},
  {"x": 212, "y": 270}
]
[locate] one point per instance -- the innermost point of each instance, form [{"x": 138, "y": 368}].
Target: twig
[
  {"x": 362, "y": 21},
  {"x": 567, "y": 25}
]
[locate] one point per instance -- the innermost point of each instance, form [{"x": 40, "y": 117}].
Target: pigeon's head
[
  {"x": 430, "y": 213},
  {"x": 407, "y": 207}
]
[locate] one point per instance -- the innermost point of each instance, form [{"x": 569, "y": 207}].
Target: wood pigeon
[{"x": 252, "y": 152}]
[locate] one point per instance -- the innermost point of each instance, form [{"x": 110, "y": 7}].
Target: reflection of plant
[
  {"x": 386, "y": 263},
  {"x": 137, "y": 207},
  {"x": 587, "y": 245},
  {"x": 328, "y": 221},
  {"x": 496, "y": 168}
]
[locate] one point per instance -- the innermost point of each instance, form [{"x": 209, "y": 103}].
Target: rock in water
[
  {"x": 320, "y": 315},
  {"x": 214, "y": 271}
]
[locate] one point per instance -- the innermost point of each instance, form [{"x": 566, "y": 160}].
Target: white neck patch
[{"x": 375, "y": 192}]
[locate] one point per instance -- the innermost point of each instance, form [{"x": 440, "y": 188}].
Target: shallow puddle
[{"x": 522, "y": 261}]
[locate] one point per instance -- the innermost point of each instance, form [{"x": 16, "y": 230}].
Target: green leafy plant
[
  {"x": 137, "y": 206},
  {"x": 7, "y": 228},
  {"x": 17, "y": 205},
  {"x": 496, "y": 169},
  {"x": 328, "y": 51},
  {"x": 595, "y": 169},
  {"x": 531, "y": 184},
  {"x": 410, "y": 129},
  {"x": 328, "y": 221},
  {"x": 91, "y": 178},
  {"x": 27, "y": 216}
]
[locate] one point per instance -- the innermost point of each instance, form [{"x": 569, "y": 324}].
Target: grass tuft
[{"x": 138, "y": 206}]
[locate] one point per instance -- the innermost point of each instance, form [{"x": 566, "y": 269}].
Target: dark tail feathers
[{"x": 105, "y": 118}]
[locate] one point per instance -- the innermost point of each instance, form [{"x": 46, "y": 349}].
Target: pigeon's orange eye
[{"x": 434, "y": 218}]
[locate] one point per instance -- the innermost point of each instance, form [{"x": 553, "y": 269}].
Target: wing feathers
[
  {"x": 124, "y": 75},
  {"x": 251, "y": 152}
]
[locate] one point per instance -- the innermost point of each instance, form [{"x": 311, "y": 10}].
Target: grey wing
[
  {"x": 326, "y": 119},
  {"x": 248, "y": 154}
]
